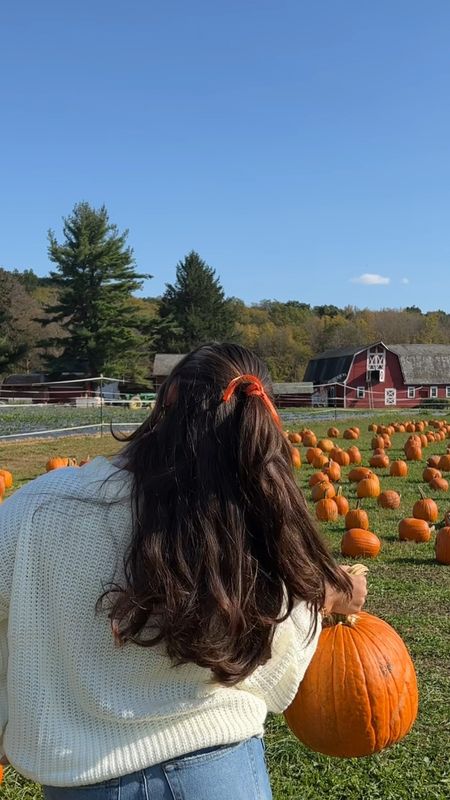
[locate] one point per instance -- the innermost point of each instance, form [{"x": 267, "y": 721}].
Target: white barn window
[
  {"x": 360, "y": 392},
  {"x": 447, "y": 391},
  {"x": 412, "y": 392},
  {"x": 433, "y": 391}
]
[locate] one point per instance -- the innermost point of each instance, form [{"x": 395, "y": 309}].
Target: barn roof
[
  {"x": 423, "y": 363},
  {"x": 164, "y": 363},
  {"x": 24, "y": 378},
  {"x": 331, "y": 365}
]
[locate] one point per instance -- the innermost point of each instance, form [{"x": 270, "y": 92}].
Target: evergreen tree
[
  {"x": 95, "y": 278},
  {"x": 11, "y": 350},
  {"x": 14, "y": 343},
  {"x": 195, "y": 304}
]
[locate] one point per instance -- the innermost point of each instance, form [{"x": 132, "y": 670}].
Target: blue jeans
[{"x": 228, "y": 772}]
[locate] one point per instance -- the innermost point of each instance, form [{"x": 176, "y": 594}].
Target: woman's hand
[{"x": 337, "y": 602}]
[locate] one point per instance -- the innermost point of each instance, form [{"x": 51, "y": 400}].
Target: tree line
[{"x": 85, "y": 318}]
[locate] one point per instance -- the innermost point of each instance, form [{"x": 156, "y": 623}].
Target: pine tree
[
  {"x": 14, "y": 343},
  {"x": 196, "y": 304},
  {"x": 95, "y": 278},
  {"x": 11, "y": 350}
]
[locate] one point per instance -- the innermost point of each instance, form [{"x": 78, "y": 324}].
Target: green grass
[
  {"x": 52, "y": 417},
  {"x": 407, "y": 588}
]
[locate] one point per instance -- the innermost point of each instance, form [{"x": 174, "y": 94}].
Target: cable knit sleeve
[
  {"x": 277, "y": 681},
  {"x": 11, "y": 513}
]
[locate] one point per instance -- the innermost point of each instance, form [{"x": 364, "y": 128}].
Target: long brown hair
[{"x": 223, "y": 544}]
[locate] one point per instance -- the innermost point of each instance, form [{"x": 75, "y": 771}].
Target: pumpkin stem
[
  {"x": 357, "y": 569},
  {"x": 422, "y": 493},
  {"x": 330, "y": 620}
]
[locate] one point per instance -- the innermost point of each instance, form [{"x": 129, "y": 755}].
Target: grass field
[
  {"x": 407, "y": 588},
  {"x": 28, "y": 419}
]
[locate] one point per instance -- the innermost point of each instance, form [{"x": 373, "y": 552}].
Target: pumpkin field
[{"x": 379, "y": 489}]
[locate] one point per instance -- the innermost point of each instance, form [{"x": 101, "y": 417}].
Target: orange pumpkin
[
  {"x": 340, "y": 456},
  {"x": 319, "y": 460},
  {"x": 358, "y": 542},
  {"x": 429, "y": 473},
  {"x": 311, "y": 453},
  {"x": 2, "y": 486},
  {"x": 444, "y": 463},
  {"x": 389, "y": 499},
  {"x": 309, "y": 439},
  {"x": 413, "y": 453},
  {"x": 326, "y": 445},
  {"x": 7, "y": 477},
  {"x": 425, "y": 508},
  {"x": 341, "y": 503},
  {"x": 414, "y": 530},
  {"x": 357, "y": 518},
  {"x": 359, "y": 473},
  {"x": 333, "y": 471},
  {"x": 439, "y": 484},
  {"x": 296, "y": 458},
  {"x": 317, "y": 477},
  {"x": 368, "y": 487},
  {"x": 359, "y": 694},
  {"x": 354, "y": 454},
  {"x": 56, "y": 463},
  {"x": 379, "y": 460},
  {"x": 433, "y": 461},
  {"x": 398, "y": 468},
  {"x": 351, "y": 433},
  {"x": 326, "y": 510},
  {"x": 442, "y": 545},
  {"x": 333, "y": 432},
  {"x": 321, "y": 490},
  {"x": 295, "y": 438}
]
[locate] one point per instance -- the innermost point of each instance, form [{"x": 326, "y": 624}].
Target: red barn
[{"x": 379, "y": 375}]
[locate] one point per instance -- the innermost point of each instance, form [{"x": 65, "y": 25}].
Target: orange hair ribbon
[{"x": 254, "y": 388}]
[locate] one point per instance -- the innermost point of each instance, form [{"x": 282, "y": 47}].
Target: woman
[{"x": 155, "y": 608}]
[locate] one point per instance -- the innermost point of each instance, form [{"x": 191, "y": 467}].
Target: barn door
[{"x": 390, "y": 397}]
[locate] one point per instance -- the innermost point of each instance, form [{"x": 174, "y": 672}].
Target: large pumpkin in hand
[{"x": 359, "y": 694}]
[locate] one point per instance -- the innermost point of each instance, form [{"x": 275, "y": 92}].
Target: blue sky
[{"x": 298, "y": 146}]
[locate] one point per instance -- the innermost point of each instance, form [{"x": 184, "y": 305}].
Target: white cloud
[
  {"x": 404, "y": 280},
  {"x": 371, "y": 279}
]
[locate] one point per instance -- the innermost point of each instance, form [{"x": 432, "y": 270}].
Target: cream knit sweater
[{"x": 74, "y": 708}]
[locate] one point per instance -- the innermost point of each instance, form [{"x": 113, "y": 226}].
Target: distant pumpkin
[
  {"x": 8, "y": 478},
  {"x": 56, "y": 463},
  {"x": 442, "y": 546},
  {"x": 414, "y": 530},
  {"x": 357, "y": 543}
]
